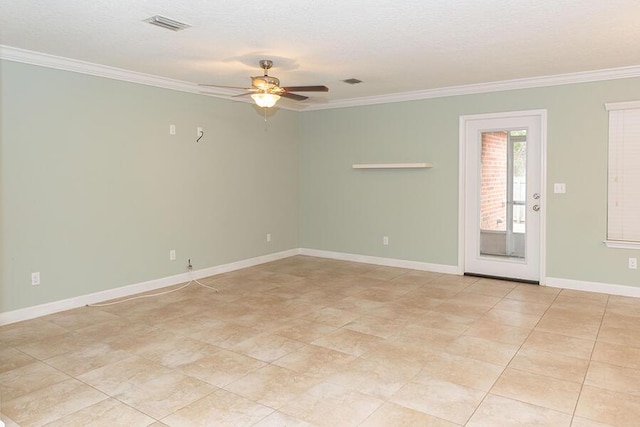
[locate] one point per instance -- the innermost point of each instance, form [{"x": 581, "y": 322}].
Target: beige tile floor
[{"x": 307, "y": 341}]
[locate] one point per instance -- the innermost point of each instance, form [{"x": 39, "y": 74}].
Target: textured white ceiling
[{"x": 393, "y": 46}]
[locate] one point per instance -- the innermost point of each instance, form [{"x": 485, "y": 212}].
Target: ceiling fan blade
[
  {"x": 306, "y": 89},
  {"x": 294, "y": 96},
  {"x": 243, "y": 94}
]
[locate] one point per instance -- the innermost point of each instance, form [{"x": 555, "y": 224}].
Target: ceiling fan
[{"x": 266, "y": 90}]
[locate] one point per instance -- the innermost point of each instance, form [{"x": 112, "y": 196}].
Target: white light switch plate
[{"x": 559, "y": 188}]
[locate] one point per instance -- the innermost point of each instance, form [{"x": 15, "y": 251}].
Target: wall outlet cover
[{"x": 559, "y": 188}]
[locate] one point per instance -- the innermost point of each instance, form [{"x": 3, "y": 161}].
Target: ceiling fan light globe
[{"x": 265, "y": 100}]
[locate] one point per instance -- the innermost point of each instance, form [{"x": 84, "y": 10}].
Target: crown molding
[
  {"x": 77, "y": 66},
  {"x": 51, "y": 61},
  {"x": 67, "y": 64},
  {"x": 526, "y": 83}
]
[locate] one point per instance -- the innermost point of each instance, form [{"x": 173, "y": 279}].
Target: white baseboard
[
  {"x": 389, "y": 262},
  {"x": 603, "y": 288},
  {"x": 245, "y": 263},
  {"x": 124, "y": 291},
  {"x": 554, "y": 282}
]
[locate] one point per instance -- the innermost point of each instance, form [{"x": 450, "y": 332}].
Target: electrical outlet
[
  {"x": 35, "y": 278},
  {"x": 198, "y": 131},
  {"x": 385, "y": 240},
  {"x": 559, "y": 188},
  {"x": 172, "y": 255},
  {"x": 633, "y": 263},
  {"x": 268, "y": 237},
  {"x": 172, "y": 129}
]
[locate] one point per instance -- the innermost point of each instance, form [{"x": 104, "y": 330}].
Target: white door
[{"x": 502, "y": 201}]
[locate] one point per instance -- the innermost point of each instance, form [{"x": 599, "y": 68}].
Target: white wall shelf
[{"x": 391, "y": 165}]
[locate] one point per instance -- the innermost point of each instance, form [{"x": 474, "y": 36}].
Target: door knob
[{"x": 536, "y": 208}]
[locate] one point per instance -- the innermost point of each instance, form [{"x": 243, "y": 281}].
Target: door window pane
[
  {"x": 493, "y": 179},
  {"x": 503, "y": 191},
  {"x": 519, "y": 146}
]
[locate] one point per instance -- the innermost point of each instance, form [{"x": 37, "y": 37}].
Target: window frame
[{"x": 614, "y": 243}]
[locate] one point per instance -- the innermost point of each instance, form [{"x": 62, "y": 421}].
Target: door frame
[{"x": 462, "y": 175}]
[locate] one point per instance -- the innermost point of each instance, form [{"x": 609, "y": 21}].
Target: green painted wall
[
  {"x": 348, "y": 210},
  {"x": 95, "y": 192}
]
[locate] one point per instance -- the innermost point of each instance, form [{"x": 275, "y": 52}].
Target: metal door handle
[{"x": 536, "y": 208}]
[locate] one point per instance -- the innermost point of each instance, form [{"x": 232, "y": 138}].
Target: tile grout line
[
  {"x": 488, "y": 392},
  {"x": 586, "y": 373}
]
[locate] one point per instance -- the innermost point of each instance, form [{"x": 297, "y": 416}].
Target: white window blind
[{"x": 624, "y": 173}]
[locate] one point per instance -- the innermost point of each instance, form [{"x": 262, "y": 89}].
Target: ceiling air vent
[
  {"x": 352, "y": 81},
  {"x": 167, "y": 23}
]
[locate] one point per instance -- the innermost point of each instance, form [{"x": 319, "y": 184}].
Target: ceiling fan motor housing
[
  {"x": 266, "y": 86},
  {"x": 266, "y": 83}
]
